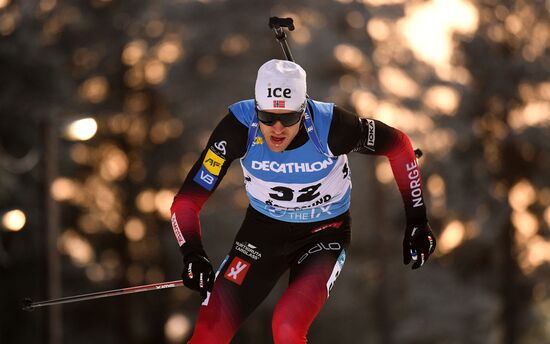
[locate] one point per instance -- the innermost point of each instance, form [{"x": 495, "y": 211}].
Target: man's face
[{"x": 277, "y": 136}]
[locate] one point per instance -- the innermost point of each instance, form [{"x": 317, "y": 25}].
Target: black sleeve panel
[
  {"x": 345, "y": 131},
  {"x": 227, "y": 142},
  {"x": 349, "y": 133},
  {"x": 234, "y": 133}
]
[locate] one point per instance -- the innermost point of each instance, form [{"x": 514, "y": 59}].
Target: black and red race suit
[{"x": 265, "y": 247}]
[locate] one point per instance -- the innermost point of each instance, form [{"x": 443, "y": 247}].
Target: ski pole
[
  {"x": 29, "y": 305},
  {"x": 277, "y": 24}
]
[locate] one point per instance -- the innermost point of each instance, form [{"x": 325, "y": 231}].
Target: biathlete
[{"x": 292, "y": 150}]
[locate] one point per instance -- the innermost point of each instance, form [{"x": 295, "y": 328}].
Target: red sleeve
[
  {"x": 185, "y": 218},
  {"x": 407, "y": 175}
]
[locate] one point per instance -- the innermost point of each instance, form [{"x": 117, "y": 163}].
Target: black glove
[
  {"x": 197, "y": 272},
  {"x": 418, "y": 244}
]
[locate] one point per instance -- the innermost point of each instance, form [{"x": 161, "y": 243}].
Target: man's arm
[
  {"x": 368, "y": 136},
  {"x": 227, "y": 143}
]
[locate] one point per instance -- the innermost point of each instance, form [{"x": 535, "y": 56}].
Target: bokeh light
[
  {"x": 521, "y": 195},
  {"x": 134, "y": 229},
  {"x": 155, "y": 72},
  {"x": 169, "y": 51},
  {"x": 145, "y": 201},
  {"x": 442, "y": 99},
  {"x": 4, "y": 3},
  {"x": 536, "y": 252},
  {"x": 392, "y": 113},
  {"x": 435, "y": 185},
  {"x": 14, "y": 220},
  {"x": 452, "y": 236},
  {"x": 177, "y": 327},
  {"x": 526, "y": 225},
  {"x": 134, "y": 52},
  {"x": 529, "y": 115},
  {"x": 113, "y": 164},
  {"x": 46, "y": 5},
  {"x": 301, "y": 36},
  {"x": 378, "y": 29},
  {"x": 395, "y": 81},
  {"x": 81, "y": 130},
  {"x": 8, "y": 23},
  {"x": 64, "y": 189},
  {"x": 364, "y": 102},
  {"x": 163, "y": 201},
  {"x": 350, "y": 57},
  {"x": 76, "y": 247},
  {"x": 235, "y": 45},
  {"x": 428, "y": 28},
  {"x": 94, "y": 89},
  {"x": 81, "y": 154}
]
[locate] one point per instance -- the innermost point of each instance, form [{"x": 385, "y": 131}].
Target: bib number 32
[{"x": 307, "y": 194}]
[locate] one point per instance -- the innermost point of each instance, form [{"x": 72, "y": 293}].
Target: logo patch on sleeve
[
  {"x": 213, "y": 162},
  {"x": 205, "y": 179},
  {"x": 371, "y": 132},
  {"x": 177, "y": 231},
  {"x": 237, "y": 270},
  {"x": 220, "y": 146}
]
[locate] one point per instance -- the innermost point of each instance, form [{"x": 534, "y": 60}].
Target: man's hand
[
  {"x": 198, "y": 273},
  {"x": 418, "y": 244}
]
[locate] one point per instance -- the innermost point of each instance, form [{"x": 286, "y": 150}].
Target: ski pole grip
[{"x": 276, "y": 23}]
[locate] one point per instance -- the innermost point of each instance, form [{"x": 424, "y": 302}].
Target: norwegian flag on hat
[{"x": 278, "y": 103}]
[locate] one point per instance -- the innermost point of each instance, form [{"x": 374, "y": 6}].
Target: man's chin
[{"x": 277, "y": 148}]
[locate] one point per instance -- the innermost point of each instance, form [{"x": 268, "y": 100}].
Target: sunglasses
[{"x": 287, "y": 119}]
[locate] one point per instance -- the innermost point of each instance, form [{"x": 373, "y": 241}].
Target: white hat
[{"x": 280, "y": 85}]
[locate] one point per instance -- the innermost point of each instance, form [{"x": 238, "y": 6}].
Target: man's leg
[
  {"x": 246, "y": 277},
  {"x": 311, "y": 278}
]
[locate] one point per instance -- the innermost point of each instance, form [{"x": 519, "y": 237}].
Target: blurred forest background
[{"x": 84, "y": 206}]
